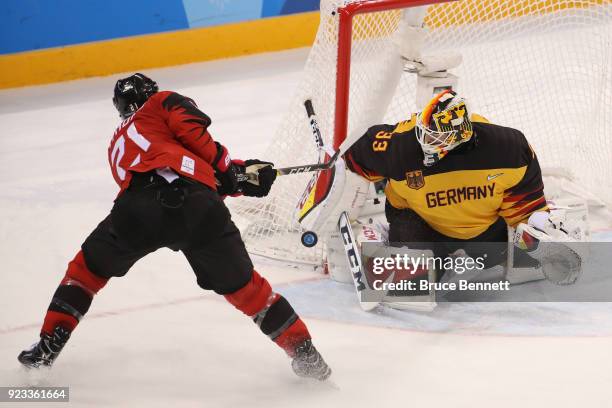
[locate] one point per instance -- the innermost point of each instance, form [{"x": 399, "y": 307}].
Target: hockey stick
[
  {"x": 285, "y": 171},
  {"x": 314, "y": 124},
  {"x": 309, "y": 238},
  {"x": 305, "y": 168}
]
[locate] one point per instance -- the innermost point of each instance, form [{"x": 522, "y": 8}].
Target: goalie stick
[
  {"x": 314, "y": 124},
  {"x": 310, "y": 238}
]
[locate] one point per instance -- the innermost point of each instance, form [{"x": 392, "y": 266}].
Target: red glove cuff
[{"x": 223, "y": 159}]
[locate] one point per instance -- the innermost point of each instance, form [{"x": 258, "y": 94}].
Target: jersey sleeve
[
  {"x": 527, "y": 196},
  {"x": 368, "y": 157},
  {"x": 189, "y": 125}
]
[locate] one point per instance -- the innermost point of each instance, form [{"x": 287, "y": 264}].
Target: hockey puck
[{"x": 309, "y": 239}]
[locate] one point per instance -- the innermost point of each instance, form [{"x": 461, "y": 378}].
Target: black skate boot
[
  {"x": 46, "y": 350},
  {"x": 309, "y": 363}
]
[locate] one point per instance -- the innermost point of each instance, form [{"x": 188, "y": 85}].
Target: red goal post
[{"x": 345, "y": 38}]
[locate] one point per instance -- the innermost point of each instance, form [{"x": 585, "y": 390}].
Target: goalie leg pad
[
  {"x": 337, "y": 264},
  {"x": 415, "y": 299}
]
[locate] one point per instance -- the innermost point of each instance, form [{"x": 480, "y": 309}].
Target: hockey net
[{"x": 541, "y": 66}]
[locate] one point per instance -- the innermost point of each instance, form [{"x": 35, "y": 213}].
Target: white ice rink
[{"x": 154, "y": 339}]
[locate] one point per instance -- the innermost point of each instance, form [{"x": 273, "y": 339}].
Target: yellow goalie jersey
[{"x": 495, "y": 174}]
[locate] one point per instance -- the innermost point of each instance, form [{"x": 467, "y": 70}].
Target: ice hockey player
[
  {"x": 457, "y": 181},
  {"x": 173, "y": 177}
]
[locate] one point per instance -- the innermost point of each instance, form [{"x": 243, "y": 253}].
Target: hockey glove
[
  {"x": 545, "y": 239},
  {"x": 226, "y": 172},
  {"x": 259, "y": 186}
]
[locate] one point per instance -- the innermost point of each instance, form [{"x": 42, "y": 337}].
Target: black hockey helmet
[{"x": 132, "y": 92}]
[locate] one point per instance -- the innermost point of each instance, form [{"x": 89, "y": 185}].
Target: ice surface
[{"x": 154, "y": 338}]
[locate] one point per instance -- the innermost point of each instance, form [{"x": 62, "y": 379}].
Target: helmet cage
[
  {"x": 441, "y": 131},
  {"x": 435, "y": 139}
]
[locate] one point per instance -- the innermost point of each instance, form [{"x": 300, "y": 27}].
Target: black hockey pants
[{"x": 184, "y": 216}]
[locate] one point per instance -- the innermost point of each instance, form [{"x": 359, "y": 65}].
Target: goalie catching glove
[
  {"x": 547, "y": 238},
  {"x": 227, "y": 172}
]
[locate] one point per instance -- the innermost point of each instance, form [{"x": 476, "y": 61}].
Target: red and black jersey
[
  {"x": 497, "y": 174},
  {"x": 167, "y": 131}
]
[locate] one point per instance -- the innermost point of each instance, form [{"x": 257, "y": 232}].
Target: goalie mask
[
  {"x": 132, "y": 92},
  {"x": 443, "y": 125}
]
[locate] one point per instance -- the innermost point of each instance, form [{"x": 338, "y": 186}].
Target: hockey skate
[
  {"x": 308, "y": 362},
  {"x": 46, "y": 350}
]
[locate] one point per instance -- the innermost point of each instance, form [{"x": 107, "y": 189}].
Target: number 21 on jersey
[{"x": 124, "y": 150}]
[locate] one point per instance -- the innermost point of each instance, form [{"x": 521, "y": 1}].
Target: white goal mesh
[{"x": 541, "y": 66}]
